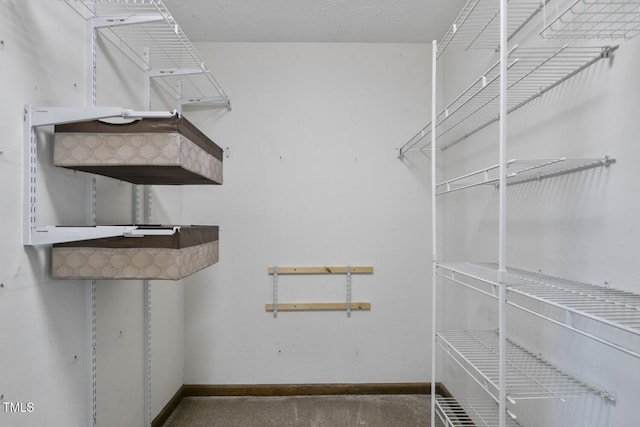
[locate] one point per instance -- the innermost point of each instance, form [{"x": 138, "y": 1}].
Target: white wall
[
  {"x": 43, "y": 332},
  {"x": 167, "y": 312},
  {"x": 581, "y": 226},
  {"x": 44, "y": 335},
  {"x": 120, "y": 321},
  {"x": 120, "y": 304},
  {"x": 313, "y": 179}
]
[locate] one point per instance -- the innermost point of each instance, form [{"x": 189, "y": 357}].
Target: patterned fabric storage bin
[
  {"x": 152, "y": 257},
  {"x": 168, "y": 151}
]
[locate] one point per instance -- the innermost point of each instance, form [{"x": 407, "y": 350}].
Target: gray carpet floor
[{"x": 310, "y": 411}]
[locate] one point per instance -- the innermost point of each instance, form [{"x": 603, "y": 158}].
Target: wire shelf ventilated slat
[
  {"x": 520, "y": 171},
  {"x": 592, "y": 19},
  {"x": 616, "y": 310},
  {"x": 476, "y": 26},
  {"x": 138, "y": 27},
  {"x": 531, "y": 73},
  {"x": 465, "y": 413},
  {"x": 528, "y": 376}
]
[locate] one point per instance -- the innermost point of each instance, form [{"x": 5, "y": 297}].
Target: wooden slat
[
  {"x": 322, "y": 270},
  {"x": 320, "y": 306}
]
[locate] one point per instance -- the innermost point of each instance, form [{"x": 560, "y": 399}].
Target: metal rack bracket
[
  {"x": 275, "y": 292},
  {"x": 349, "y": 306},
  {"x": 45, "y": 116},
  {"x": 348, "y": 291}
]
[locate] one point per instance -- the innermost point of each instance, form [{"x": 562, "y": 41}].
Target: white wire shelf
[
  {"x": 609, "y": 316},
  {"x": 145, "y": 31},
  {"x": 520, "y": 171},
  {"x": 477, "y": 24},
  {"x": 466, "y": 413},
  {"x": 531, "y": 73},
  {"x": 528, "y": 376},
  {"x": 592, "y": 19}
]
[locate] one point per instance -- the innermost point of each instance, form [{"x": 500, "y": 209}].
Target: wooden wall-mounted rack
[
  {"x": 321, "y": 306},
  {"x": 321, "y": 270},
  {"x": 347, "y": 306}
]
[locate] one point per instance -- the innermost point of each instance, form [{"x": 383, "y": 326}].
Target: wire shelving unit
[
  {"x": 148, "y": 35},
  {"x": 592, "y": 19},
  {"x": 476, "y": 26},
  {"x": 146, "y": 32},
  {"x": 531, "y": 73},
  {"x": 506, "y": 371},
  {"x": 528, "y": 376},
  {"x": 466, "y": 413},
  {"x": 609, "y": 316},
  {"x": 520, "y": 171}
]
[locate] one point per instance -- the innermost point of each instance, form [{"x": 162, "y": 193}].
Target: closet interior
[
  {"x": 539, "y": 47},
  {"x": 142, "y": 147}
]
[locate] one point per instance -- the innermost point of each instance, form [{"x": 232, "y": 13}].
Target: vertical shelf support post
[
  {"x": 146, "y": 293},
  {"x": 146, "y": 191},
  {"x": 502, "y": 215},
  {"x": 434, "y": 254},
  {"x": 30, "y": 171},
  {"x": 91, "y": 292},
  {"x": 275, "y": 291},
  {"x": 147, "y": 352},
  {"x": 348, "y": 290}
]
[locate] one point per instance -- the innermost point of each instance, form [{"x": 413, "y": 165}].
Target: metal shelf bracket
[
  {"x": 347, "y": 306},
  {"x": 45, "y": 116},
  {"x": 119, "y": 20}
]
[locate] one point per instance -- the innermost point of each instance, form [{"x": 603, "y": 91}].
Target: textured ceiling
[{"x": 367, "y": 21}]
